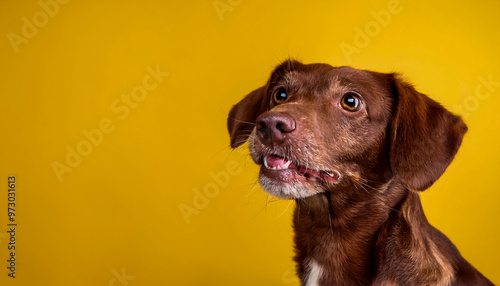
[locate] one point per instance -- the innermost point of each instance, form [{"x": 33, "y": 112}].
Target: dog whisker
[
  {"x": 363, "y": 185},
  {"x": 242, "y": 121},
  {"x": 289, "y": 204}
]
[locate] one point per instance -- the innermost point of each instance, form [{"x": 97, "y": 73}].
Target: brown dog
[{"x": 353, "y": 147}]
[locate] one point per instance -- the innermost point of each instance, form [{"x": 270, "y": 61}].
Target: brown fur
[{"x": 367, "y": 228}]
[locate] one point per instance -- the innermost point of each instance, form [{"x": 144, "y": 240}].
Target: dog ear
[
  {"x": 424, "y": 137},
  {"x": 241, "y": 119}
]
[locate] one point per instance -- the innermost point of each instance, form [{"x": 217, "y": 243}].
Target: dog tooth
[
  {"x": 287, "y": 164},
  {"x": 265, "y": 163}
]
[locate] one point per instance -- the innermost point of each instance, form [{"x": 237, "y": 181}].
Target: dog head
[{"x": 316, "y": 128}]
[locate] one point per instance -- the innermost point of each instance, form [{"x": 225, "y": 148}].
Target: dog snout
[{"x": 274, "y": 128}]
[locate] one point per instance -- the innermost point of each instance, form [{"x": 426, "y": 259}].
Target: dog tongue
[
  {"x": 275, "y": 161},
  {"x": 279, "y": 163}
]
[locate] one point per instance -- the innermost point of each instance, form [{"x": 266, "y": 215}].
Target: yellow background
[{"x": 117, "y": 213}]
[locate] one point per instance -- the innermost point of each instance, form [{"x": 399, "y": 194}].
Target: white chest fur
[{"x": 315, "y": 272}]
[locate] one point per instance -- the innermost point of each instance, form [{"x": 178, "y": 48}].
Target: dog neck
[{"x": 336, "y": 233}]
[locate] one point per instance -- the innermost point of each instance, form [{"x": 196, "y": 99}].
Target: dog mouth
[{"x": 274, "y": 164}]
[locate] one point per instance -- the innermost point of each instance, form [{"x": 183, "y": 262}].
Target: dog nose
[{"x": 273, "y": 128}]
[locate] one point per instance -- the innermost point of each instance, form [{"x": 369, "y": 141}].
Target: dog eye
[
  {"x": 351, "y": 102},
  {"x": 280, "y": 96}
]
